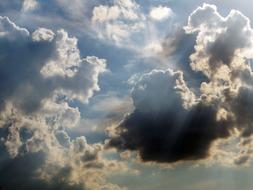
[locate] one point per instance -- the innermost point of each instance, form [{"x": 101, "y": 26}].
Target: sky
[{"x": 126, "y": 94}]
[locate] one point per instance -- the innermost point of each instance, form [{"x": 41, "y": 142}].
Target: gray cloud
[
  {"x": 167, "y": 125},
  {"x": 50, "y": 61},
  {"x": 170, "y": 123},
  {"x": 41, "y": 72}
]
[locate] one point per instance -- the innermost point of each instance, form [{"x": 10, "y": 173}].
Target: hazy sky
[{"x": 126, "y": 94}]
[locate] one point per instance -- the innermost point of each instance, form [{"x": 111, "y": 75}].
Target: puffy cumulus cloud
[
  {"x": 46, "y": 63},
  {"x": 160, "y": 13},
  {"x": 127, "y": 24},
  {"x": 214, "y": 41},
  {"x": 41, "y": 72},
  {"x": 172, "y": 122},
  {"x": 124, "y": 9},
  {"x": 167, "y": 124},
  {"x": 122, "y": 23},
  {"x": 222, "y": 53},
  {"x": 118, "y": 21},
  {"x": 43, "y": 155},
  {"x": 43, "y": 34}
]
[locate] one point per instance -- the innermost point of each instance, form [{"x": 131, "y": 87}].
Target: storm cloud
[
  {"x": 167, "y": 125},
  {"x": 173, "y": 121}
]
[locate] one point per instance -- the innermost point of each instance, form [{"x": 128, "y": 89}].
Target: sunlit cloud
[
  {"x": 29, "y": 5},
  {"x": 160, "y": 13},
  {"x": 125, "y": 94}
]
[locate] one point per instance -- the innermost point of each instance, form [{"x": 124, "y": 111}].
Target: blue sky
[{"x": 126, "y": 94}]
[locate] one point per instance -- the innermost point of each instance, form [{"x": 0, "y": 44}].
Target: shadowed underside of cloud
[
  {"x": 41, "y": 72},
  {"x": 20, "y": 173},
  {"x": 162, "y": 128},
  {"x": 170, "y": 123}
]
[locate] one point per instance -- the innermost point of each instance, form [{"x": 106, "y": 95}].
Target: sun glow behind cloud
[
  {"x": 160, "y": 13},
  {"x": 125, "y": 94}
]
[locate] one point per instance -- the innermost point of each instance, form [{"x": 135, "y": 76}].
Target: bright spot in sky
[
  {"x": 160, "y": 13},
  {"x": 154, "y": 47}
]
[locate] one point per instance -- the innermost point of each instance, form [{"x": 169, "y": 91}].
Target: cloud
[
  {"x": 167, "y": 125},
  {"x": 127, "y": 10},
  {"x": 54, "y": 65},
  {"x": 127, "y": 24},
  {"x": 223, "y": 49},
  {"x": 119, "y": 21},
  {"x": 43, "y": 34},
  {"x": 154, "y": 47},
  {"x": 41, "y": 73},
  {"x": 173, "y": 122},
  {"x": 160, "y": 13},
  {"x": 29, "y": 5}
]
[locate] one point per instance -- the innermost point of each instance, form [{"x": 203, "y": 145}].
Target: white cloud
[
  {"x": 105, "y": 13},
  {"x": 43, "y": 71},
  {"x": 29, "y": 5},
  {"x": 43, "y": 34},
  {"x": 127, "y": 24},
  {"x": 153, "y": 48},
  {"x": 118, "y": 22},
  {"x": 160, "y": 13}
]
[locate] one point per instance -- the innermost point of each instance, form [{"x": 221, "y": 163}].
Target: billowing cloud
[
  {"x": 127, "y": 24},
  {"x": 222, "y": 53},
  {"x": 173, "y": 122},
  {"x": 119, "y": 21},
  {"x": 167, "y": 125},
  {"x": 59, "y": 69},
  {"x": 41, "y": 73}
]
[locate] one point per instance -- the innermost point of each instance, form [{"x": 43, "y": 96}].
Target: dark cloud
[
  {"x": 20, "y": 173},
  {"x": 178, "y": 47},
  {"x": 40, "y": 73},
  {"x": 162, "y": 129},
  {"x": 170, "y": 123}
]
